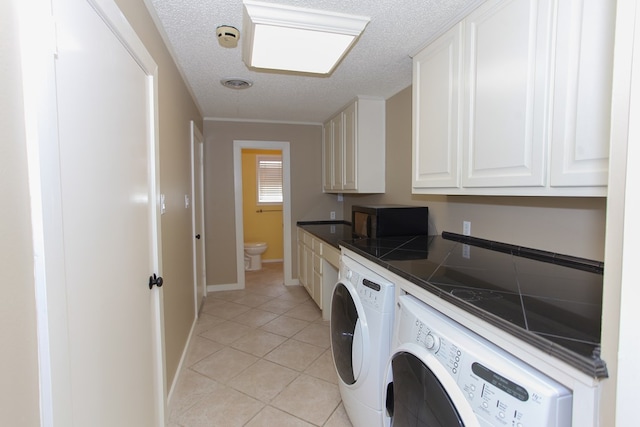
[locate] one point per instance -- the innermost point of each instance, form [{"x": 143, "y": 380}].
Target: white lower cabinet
[
  {"x": 515, "y": 100},
  {"x": 318, "y": 264}
]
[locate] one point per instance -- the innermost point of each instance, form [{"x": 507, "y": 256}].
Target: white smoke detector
[{"x": 228, "y": 36}]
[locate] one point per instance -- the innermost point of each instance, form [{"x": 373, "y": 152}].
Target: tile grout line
[{"x": 246, "y": 295}]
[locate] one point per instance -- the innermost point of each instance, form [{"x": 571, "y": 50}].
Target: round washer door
[
  {"x": 423, "y": 394},
  {"x": 349, "y": 334}
]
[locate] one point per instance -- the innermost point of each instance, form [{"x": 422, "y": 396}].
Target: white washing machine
[
  {"x": 442, "y": 374},
  {"x": 362, "y": 310}
]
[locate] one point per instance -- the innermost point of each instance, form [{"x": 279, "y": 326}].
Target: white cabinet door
[
  {"x": 302, "y": 265},
  {"x": 350, "y": 148},
  {"x": 317, "y": 280},
  {"x": 337, "y": 144},
  {"x": 327, "y": 156},
  {"x": 308, "y": 268},
  {"x": 507, "y": 60},
  {"x": 582, "y": 100},
  {"x": 437, "y": 79}
]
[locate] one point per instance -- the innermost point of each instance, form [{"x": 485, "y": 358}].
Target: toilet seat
[{"x": 254, "y": 244}]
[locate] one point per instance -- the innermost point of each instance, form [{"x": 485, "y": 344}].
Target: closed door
[
  {"x": 197, "y": 199},
  {"x": 107, "y": 160}
]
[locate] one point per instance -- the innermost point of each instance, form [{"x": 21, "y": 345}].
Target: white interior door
[
  {"x": 108, "y": 160},
  {"x": 197, "y": 206}
]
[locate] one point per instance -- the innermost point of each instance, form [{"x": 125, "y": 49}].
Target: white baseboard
[
  {"x": 183, "y": 359},
  {"x": 224, "y": 287}
]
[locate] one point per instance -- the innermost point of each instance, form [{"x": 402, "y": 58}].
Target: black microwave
[{"x": 389, "y": 220}]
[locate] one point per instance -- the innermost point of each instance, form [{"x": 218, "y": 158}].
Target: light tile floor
[{"x": 259, "y": 357}]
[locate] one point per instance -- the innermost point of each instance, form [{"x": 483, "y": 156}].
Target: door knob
[
  {"x": 155, "y": 280},
  {"x": 198, "y": 236}
]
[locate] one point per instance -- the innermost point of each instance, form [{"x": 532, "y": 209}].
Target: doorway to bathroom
[{"x": 259, "y": 219}]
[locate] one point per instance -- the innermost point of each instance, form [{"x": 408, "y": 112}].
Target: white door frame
[
  {"x": 197, "y": 202},
  {"x": 38, "y": 35},
  {"x": 286, "y": 204}
]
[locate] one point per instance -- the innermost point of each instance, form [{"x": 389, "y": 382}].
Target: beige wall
[
  {"x": 19, "y": 401},
  {"x": 176, "y": 109},
  {"x": 574, "y": 226},
  {"x": 307, "y": 200}
]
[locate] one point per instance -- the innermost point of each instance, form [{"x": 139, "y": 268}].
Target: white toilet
[{"x": 253, "y": 255}]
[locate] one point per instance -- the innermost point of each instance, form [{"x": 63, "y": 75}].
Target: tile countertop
[
  {"x": 551, "y": 301},
  {"x": 331, "y": 232},
  {"x": 554, "y": 305}
]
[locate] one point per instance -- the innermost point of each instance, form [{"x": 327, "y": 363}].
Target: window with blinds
[{"x": 269, "y": 173}]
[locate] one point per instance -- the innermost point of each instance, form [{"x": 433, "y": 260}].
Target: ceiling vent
[
  {"x": 228, "y": 36},
  {"x": 236, "y": 83}
]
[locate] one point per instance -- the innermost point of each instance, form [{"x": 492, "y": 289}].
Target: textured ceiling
[{"x": 378, "y": 65}]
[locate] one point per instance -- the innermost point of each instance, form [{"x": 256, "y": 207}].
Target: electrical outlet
[
  {"x": 466, "y": 228},
  {"x": 332, "y": 215},
  {"x": 466, "y": 251}
]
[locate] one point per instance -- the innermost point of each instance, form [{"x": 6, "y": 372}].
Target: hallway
[{"x": 259, "y": 357}]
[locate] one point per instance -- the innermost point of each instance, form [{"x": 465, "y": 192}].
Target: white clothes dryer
[
  {"x": 362, "y": 310},
  {"x": 441, "y": 374}
]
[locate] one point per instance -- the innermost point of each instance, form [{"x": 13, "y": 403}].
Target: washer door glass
[
  {"x": 417, "y": 397},
  {"x": 344, "y": 324}
]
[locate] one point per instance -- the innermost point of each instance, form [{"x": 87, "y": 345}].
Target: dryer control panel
[{"x": 501, "y": 390}]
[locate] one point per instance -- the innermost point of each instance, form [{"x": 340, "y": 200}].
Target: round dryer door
[
  {"x": 423, "y": 394},
  {"x": 417, "y": 398},
  {"x": 347, "y": 334}
]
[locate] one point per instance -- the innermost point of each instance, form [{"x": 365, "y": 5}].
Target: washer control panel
[
  {"x": 502, "y": 390},
  {"x": 371, "y": 289}
]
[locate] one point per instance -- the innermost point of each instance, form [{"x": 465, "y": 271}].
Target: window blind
[{"x": 269, "y": 175}]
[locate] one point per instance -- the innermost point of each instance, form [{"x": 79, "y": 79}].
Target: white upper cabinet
[
  {"x": 354, "y": 148},
  {"x": 437, "y": 90},
  {"x": 515, "y": 100},
  {"x": 582, "y": 101},
  {"x": 507, "y": 63},
  {"x": 327, "y": 156}
]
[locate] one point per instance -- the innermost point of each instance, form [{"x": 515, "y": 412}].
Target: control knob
[{"x": 432, "y": 342}]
